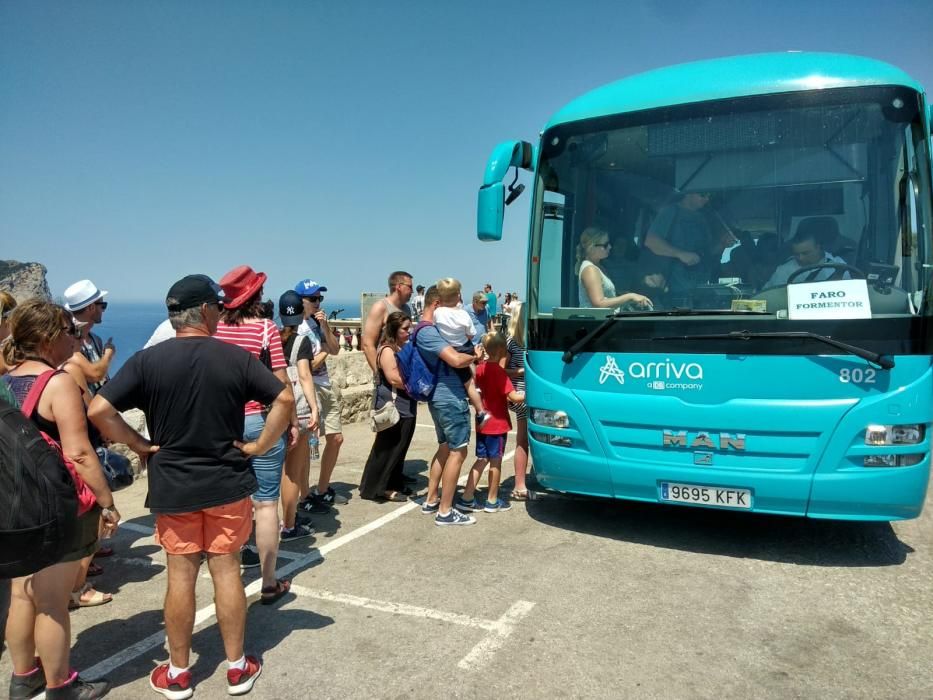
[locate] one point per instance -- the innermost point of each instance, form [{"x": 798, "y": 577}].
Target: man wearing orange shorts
[{"x": 192, "y": 389}]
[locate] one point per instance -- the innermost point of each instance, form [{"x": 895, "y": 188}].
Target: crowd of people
[{"x": 234, "y": 404}]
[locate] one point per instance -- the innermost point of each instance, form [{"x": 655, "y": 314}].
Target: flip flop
[
  {"x": 271, "y": 594},
  {"x": 94, "y": 569},
  {"x": 520, "y": 495},
  {"x": 396, "y": 497},
  {"x": 97, "y": 598}
]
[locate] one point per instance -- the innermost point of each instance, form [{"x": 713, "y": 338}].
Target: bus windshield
[{"x": 715, "y": 210}]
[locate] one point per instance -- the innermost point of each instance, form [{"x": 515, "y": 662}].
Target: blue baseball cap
[{"x": 308, "y": 288}]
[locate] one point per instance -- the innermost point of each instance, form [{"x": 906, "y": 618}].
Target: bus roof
[{"x": 735, "y": 76}]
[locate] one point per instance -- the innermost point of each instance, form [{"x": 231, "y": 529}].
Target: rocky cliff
[{"x": 24, "y": 280}]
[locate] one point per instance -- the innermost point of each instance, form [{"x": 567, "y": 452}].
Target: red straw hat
[{"x": 240, "y": 284}]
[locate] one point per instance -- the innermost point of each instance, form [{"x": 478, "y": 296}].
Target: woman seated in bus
[{"x": 595, "y": 288}]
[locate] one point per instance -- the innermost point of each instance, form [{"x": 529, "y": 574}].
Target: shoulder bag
[
  {"x": 301, "y": 402},
  {"x": 385, "y": 417}
]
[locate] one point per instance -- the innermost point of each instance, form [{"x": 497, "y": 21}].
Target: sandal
[
  {"x": 103, "y": 552},
  {"x": 94, "y": 569},
  {"x": 520, "y": 495},
  {"x": 395, "y": 497},
  {"x": 271, "y": 594},
  {"x": 78, "y": 599}
]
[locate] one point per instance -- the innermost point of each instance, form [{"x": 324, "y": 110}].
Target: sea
[{"x": 131, "y": 323}]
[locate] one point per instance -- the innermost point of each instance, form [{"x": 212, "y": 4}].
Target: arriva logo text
[
  {"x": 665, "y": 370},
  {"x": 661, "y": 376}
]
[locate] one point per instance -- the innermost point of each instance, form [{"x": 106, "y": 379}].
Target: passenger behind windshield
[
  {"x": 807, "y": 250},
  {"x": 681, "y": 236},
  {"x": 595, "y": 288}
]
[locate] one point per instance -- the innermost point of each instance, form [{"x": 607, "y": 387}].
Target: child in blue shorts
[{"x": 496, "y": 390}]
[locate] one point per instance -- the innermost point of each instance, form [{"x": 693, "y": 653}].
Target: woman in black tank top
[{"x": 42, "y": 338}]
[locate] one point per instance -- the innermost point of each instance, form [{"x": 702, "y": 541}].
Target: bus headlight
[
  {"x": 550, "y": 419},
  {"x": 893, "y": 460},
  {"x": 547, "y": 439},
  {"x": 907, "y": 434}
]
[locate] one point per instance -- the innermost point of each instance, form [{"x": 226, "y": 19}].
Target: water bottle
[{"x": 314, "y": 444}]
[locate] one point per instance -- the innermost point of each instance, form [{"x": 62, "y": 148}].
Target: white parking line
[
  {"x": 482, "y": 651},
  {"x": 253, "y": 589},
  {"x": 396, "y": 608},
  {"x": 503, "y": 629}
]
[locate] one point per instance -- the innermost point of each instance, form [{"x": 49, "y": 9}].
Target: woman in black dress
[{"x": 383, "y": 479}]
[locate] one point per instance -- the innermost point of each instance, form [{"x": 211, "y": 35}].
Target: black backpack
[{"x": 38, "y": 504}]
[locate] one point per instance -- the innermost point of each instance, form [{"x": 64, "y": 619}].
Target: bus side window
[{"x": 551, "y": 284}]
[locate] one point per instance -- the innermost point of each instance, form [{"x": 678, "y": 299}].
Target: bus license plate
[{"x": 706, "y": 495}]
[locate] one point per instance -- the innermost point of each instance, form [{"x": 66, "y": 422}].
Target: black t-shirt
[
  {"x": 193, "y": 391},
  {"x": 305, "y": 350}
]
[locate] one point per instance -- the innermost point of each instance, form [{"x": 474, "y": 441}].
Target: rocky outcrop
[
  {"x": 352, "y": 380},
  {"x": 24, "y": 280}
]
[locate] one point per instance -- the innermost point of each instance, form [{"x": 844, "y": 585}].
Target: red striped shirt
[{"x": 251, "y": 336}]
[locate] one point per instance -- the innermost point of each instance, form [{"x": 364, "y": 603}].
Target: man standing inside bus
[{"x": 681, "y": 234}]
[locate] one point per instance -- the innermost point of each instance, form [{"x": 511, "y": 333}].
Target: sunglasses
[
  {"x": 101, "y": 304},
  {"x": 602, "y": 245},
  {"x": 316, "y": 299}
]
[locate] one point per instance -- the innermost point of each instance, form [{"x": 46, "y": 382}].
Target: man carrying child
[
  {"x": 457, "y": 328},
  {"x": 451, "y": 414}
]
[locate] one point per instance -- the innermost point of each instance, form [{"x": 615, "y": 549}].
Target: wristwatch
[{"x": 106, "y": 512}]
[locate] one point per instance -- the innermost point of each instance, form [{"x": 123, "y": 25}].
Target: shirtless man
[{"x": 400, "y": 291}]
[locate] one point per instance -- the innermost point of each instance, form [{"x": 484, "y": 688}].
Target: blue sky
[{"x": 142, "y": 141}]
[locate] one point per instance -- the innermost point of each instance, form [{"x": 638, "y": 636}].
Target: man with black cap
[{"x": 192, "y": 389}]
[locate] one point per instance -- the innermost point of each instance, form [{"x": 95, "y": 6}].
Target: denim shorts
[
  {"x": 267, "y": 467},
  {"x": 451, "y": 423},
  {"x": 490, "y": 446}
]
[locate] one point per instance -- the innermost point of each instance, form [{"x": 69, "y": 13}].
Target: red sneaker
[
  {"x": 240, "y": 682},
  {"x": 178, "y": 688}
]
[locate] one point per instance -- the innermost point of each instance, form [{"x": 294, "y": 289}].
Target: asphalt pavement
[{"x": 559, "y": 597}]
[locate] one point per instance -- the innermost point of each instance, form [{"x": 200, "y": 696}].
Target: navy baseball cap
[
  {"x": 290, "y": 309},
  {"x": 308, "y": 288}
]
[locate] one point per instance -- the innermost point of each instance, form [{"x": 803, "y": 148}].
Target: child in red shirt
[{"x": 496, "y": 390}]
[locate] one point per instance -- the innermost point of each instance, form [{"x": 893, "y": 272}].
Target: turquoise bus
[{"x": 776, "y": 211}]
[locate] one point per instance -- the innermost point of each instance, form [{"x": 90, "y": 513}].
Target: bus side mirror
[
  {"x": 490, "y": 212},
  {"x": 491, "y": 202}
]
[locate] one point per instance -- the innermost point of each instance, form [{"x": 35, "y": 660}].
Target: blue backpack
[{"x": 420, "y": 380}]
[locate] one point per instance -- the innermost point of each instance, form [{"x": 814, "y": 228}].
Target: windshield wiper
[
  {"x": 575, "y": 349},
  {"x": 882, "y": 361}
]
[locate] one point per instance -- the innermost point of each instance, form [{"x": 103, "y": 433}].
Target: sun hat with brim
[
  {"x": 82, "y": 294},
  {"x": 308, "y": 288},
  {"x": 192, "y": 291},
  {"x": 290, "y": 309},
  {"x": 241, "y": 284}
]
